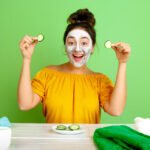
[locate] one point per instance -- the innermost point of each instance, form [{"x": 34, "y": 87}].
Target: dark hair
[{"x": 83, "y": 19}]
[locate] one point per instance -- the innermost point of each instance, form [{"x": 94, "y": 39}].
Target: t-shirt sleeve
[
  {"x": 105, "y": 89},
  {"x": 38, "y": 83}
]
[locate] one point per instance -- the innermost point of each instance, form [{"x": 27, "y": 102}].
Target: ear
[{"x": 92, "y": 51}]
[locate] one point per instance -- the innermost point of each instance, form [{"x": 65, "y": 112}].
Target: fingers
[
  {"x": 26, "y": 46},
  {"x": 34, "y": 40},
  {"x": 28, "y": 39},
  {"x": 28, "y": 42},
  {"x": 121, "y": 47}
]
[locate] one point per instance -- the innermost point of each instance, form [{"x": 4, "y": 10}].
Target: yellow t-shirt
[{"x": 72, "y": 98}]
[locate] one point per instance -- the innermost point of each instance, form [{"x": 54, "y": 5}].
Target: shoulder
[
  {"x": 45, "y": 70},
  {"x": 48, "y": 68},
  {"x": 102, "y": 77}
]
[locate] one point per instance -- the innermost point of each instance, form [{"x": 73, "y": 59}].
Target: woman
[{"x": 71, "y": 92}]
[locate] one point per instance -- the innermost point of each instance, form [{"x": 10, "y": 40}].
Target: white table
[{"x": 27, "y": 136}]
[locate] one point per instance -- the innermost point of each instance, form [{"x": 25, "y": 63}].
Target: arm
[
  {"x": 116, "y": 104},
  {"x": 26, "y": 98}
]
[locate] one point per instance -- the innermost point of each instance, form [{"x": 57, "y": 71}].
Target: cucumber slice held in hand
[
  {"x": 74, "y": 127},
  {"x": 108, "y": 44},
  {"x": 40, "y": 38},
  {"x": 61, "y": 127}
]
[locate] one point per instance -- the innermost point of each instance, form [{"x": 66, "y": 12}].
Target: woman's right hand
[{"x": 27, "y": 45}]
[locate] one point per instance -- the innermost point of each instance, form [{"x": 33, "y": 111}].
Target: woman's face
[{"x": 79, "y": 47}]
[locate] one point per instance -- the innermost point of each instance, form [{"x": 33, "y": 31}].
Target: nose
[{"x": 78, "y": 48}]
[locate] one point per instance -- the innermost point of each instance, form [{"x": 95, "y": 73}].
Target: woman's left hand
[{"x": 122, "y": 51}]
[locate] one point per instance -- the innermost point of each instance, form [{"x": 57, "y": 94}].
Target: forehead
[{"x": 78, "y": 33}]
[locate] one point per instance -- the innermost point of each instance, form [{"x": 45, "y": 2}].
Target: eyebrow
[
  {"x": 71, "y": 37},
  {"x": 84, "y": 37}
]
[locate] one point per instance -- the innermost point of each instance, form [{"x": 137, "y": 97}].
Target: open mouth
[{"x": 78, "y": 57}]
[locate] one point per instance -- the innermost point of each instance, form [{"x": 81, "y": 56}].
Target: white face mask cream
[{"x": 78, "y": 47}]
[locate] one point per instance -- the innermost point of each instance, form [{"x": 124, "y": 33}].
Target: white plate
[{"x": 69, "y": 132}]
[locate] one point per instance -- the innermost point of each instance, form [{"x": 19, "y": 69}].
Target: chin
[{"x": 78, "y": 65}]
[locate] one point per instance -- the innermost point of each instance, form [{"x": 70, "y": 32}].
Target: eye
[
  {"x": 70, "y": 43},
  {"x": 84, "y": 43}
]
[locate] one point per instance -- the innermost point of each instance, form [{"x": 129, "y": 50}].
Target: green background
[{"x": 117, "y": 20}]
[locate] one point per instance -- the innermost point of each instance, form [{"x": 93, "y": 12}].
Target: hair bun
[{"x": 82, "y": 16}]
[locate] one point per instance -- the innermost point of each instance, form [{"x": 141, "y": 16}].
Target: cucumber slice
[
  {"x": 61, "y": 127},
  {"x": 40, "y": 37},
  {"x": 108, "y": 44},
  {"x": 74, "y": 127}
]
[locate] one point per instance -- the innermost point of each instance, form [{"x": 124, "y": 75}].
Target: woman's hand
[
  {"x": 27, "y": 45},
  {"x": 122, "y": 51}
]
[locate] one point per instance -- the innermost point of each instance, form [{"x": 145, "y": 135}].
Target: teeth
[{"x": 78, "y": 55}]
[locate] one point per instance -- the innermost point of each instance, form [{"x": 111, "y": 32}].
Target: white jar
[{"x": 5, "y": 137}]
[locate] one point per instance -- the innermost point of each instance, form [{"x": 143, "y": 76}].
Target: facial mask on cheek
[
  {"x": 70, "y": 48},
  {"x": 87, "y": 49}
]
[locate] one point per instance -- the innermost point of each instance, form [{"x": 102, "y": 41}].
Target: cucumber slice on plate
[
  {"x": 61, "y": 127},
  {"x": 74, "y": 127}
]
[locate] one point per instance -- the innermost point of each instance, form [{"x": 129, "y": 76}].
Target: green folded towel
[{"x": 120, "y": 138}]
